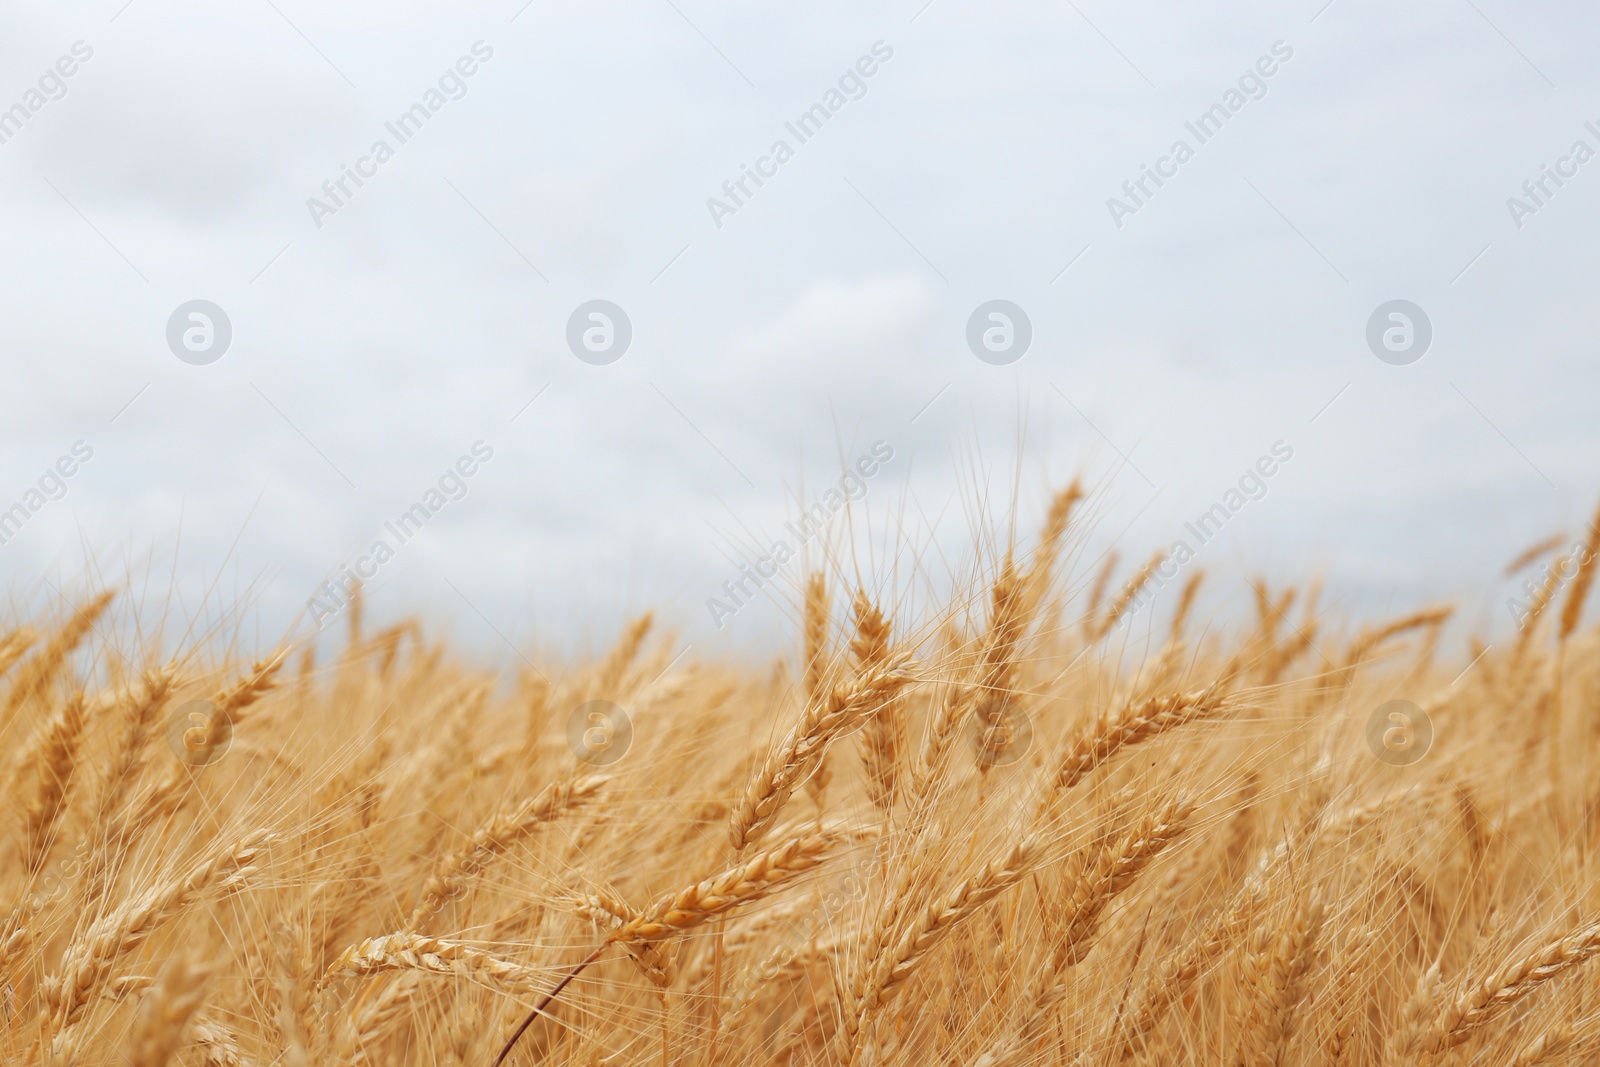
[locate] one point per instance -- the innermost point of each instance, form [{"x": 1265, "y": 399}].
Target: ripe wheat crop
[{"x": 1015, "y": 828}]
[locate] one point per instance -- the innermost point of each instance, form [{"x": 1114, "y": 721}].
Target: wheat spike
[
  {"x": 219, "y": 1045},
  {"x": 139, "y": 715},
  {"x": 1132, "y": 725},
  {"x": 1125, "y": 597},
  {"x": 1368, "y": 640},
  {"x": 750, "y": 880},
  {"x": 817, "y": 611},
  {"x": 1109, "y": 870},
  {"x": 1274, "y": 977},
  {"x": 37, "y": 673},
  {"x": 1042, "y": 569},
  {"x": 1177, "y": 973},
  {"x": 984, "y": 690},
  {"x": 14, "y": 645},
  {"x": 416, "y": 952},
  {"x": 1533, "y": 552},
  {"x": 793, "y": 759},
  {"x": 1544, "y": 1047},
  {"x": 883, "y": 737},
  {"x": 1486, "y": 997},
  {"x": 164, "y": 1019},
  {"x": 887, "y": 970},
  {"x": 56, "y": 761},
  {"x": 450, "y": 877},
  {"x": 374, "y": 1018},
  {"x": 1588, "y": 556},
  {"x": 88, "y": 959}
]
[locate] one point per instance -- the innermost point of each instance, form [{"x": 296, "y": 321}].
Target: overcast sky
[{"x": 381, "y": 331}]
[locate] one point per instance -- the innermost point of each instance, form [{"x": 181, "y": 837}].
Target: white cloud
[{"x": 828, "y": 315}]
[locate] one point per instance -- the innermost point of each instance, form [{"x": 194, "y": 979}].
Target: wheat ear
[
  {"x": 248, "y": 690},
  {"x": 608, "y": 678},
  {"x": 14, "y": 645},
  {"x": 1542, "y": 1048},
  {"x": 1368, "y": 640},
  {"x": 1488, "y": 996},
  {"x": 896, "y": 958},
  {"x": 138, "y": 718},
  {"x": 983, "y": 689},
  {"x": 1183, "y": 967},
  {"x": 883, "y": 738},
  {"x": 1534, "y": 551},
  {"x": 954, "y": 702},
  {"x": 1130, "y": 726},
  {"x": 165, "y": 1016},
  {"x": 376, "y": 1016},
  {"x": 1125, "y": 596},
  {"x": 753, "y": 878},
  {"x": 1273, "y": 977},
  {"x": 38, "y": 671},
  {"x": 796, "y": 757},
  {"x": 88, "y": 959},
  {"x": 231, "y": 704},
  {"x": 640, "y": 931},
  {"x": 1110, "y": 871},
  {"x": 1101, "y": 874},
  {"x": 219, "y": 1045},
  {"x": 817, "y": 610},
  {"x": 416, "y": 952},
  {"x": 1041, "y": 570},
  {"x": 1347, "y": 998},
  {"x": 454, "y": 871},
  {"x": 56, "y": 759},
  {"x": 998, "y": 660},
  {"x": 1097, "y": 593}
]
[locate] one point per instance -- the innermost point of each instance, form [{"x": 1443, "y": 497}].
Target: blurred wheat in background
[{"x": 995, "y": 831}]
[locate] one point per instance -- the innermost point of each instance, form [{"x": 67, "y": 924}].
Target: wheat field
[{"x": 1024, "y": 825}]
